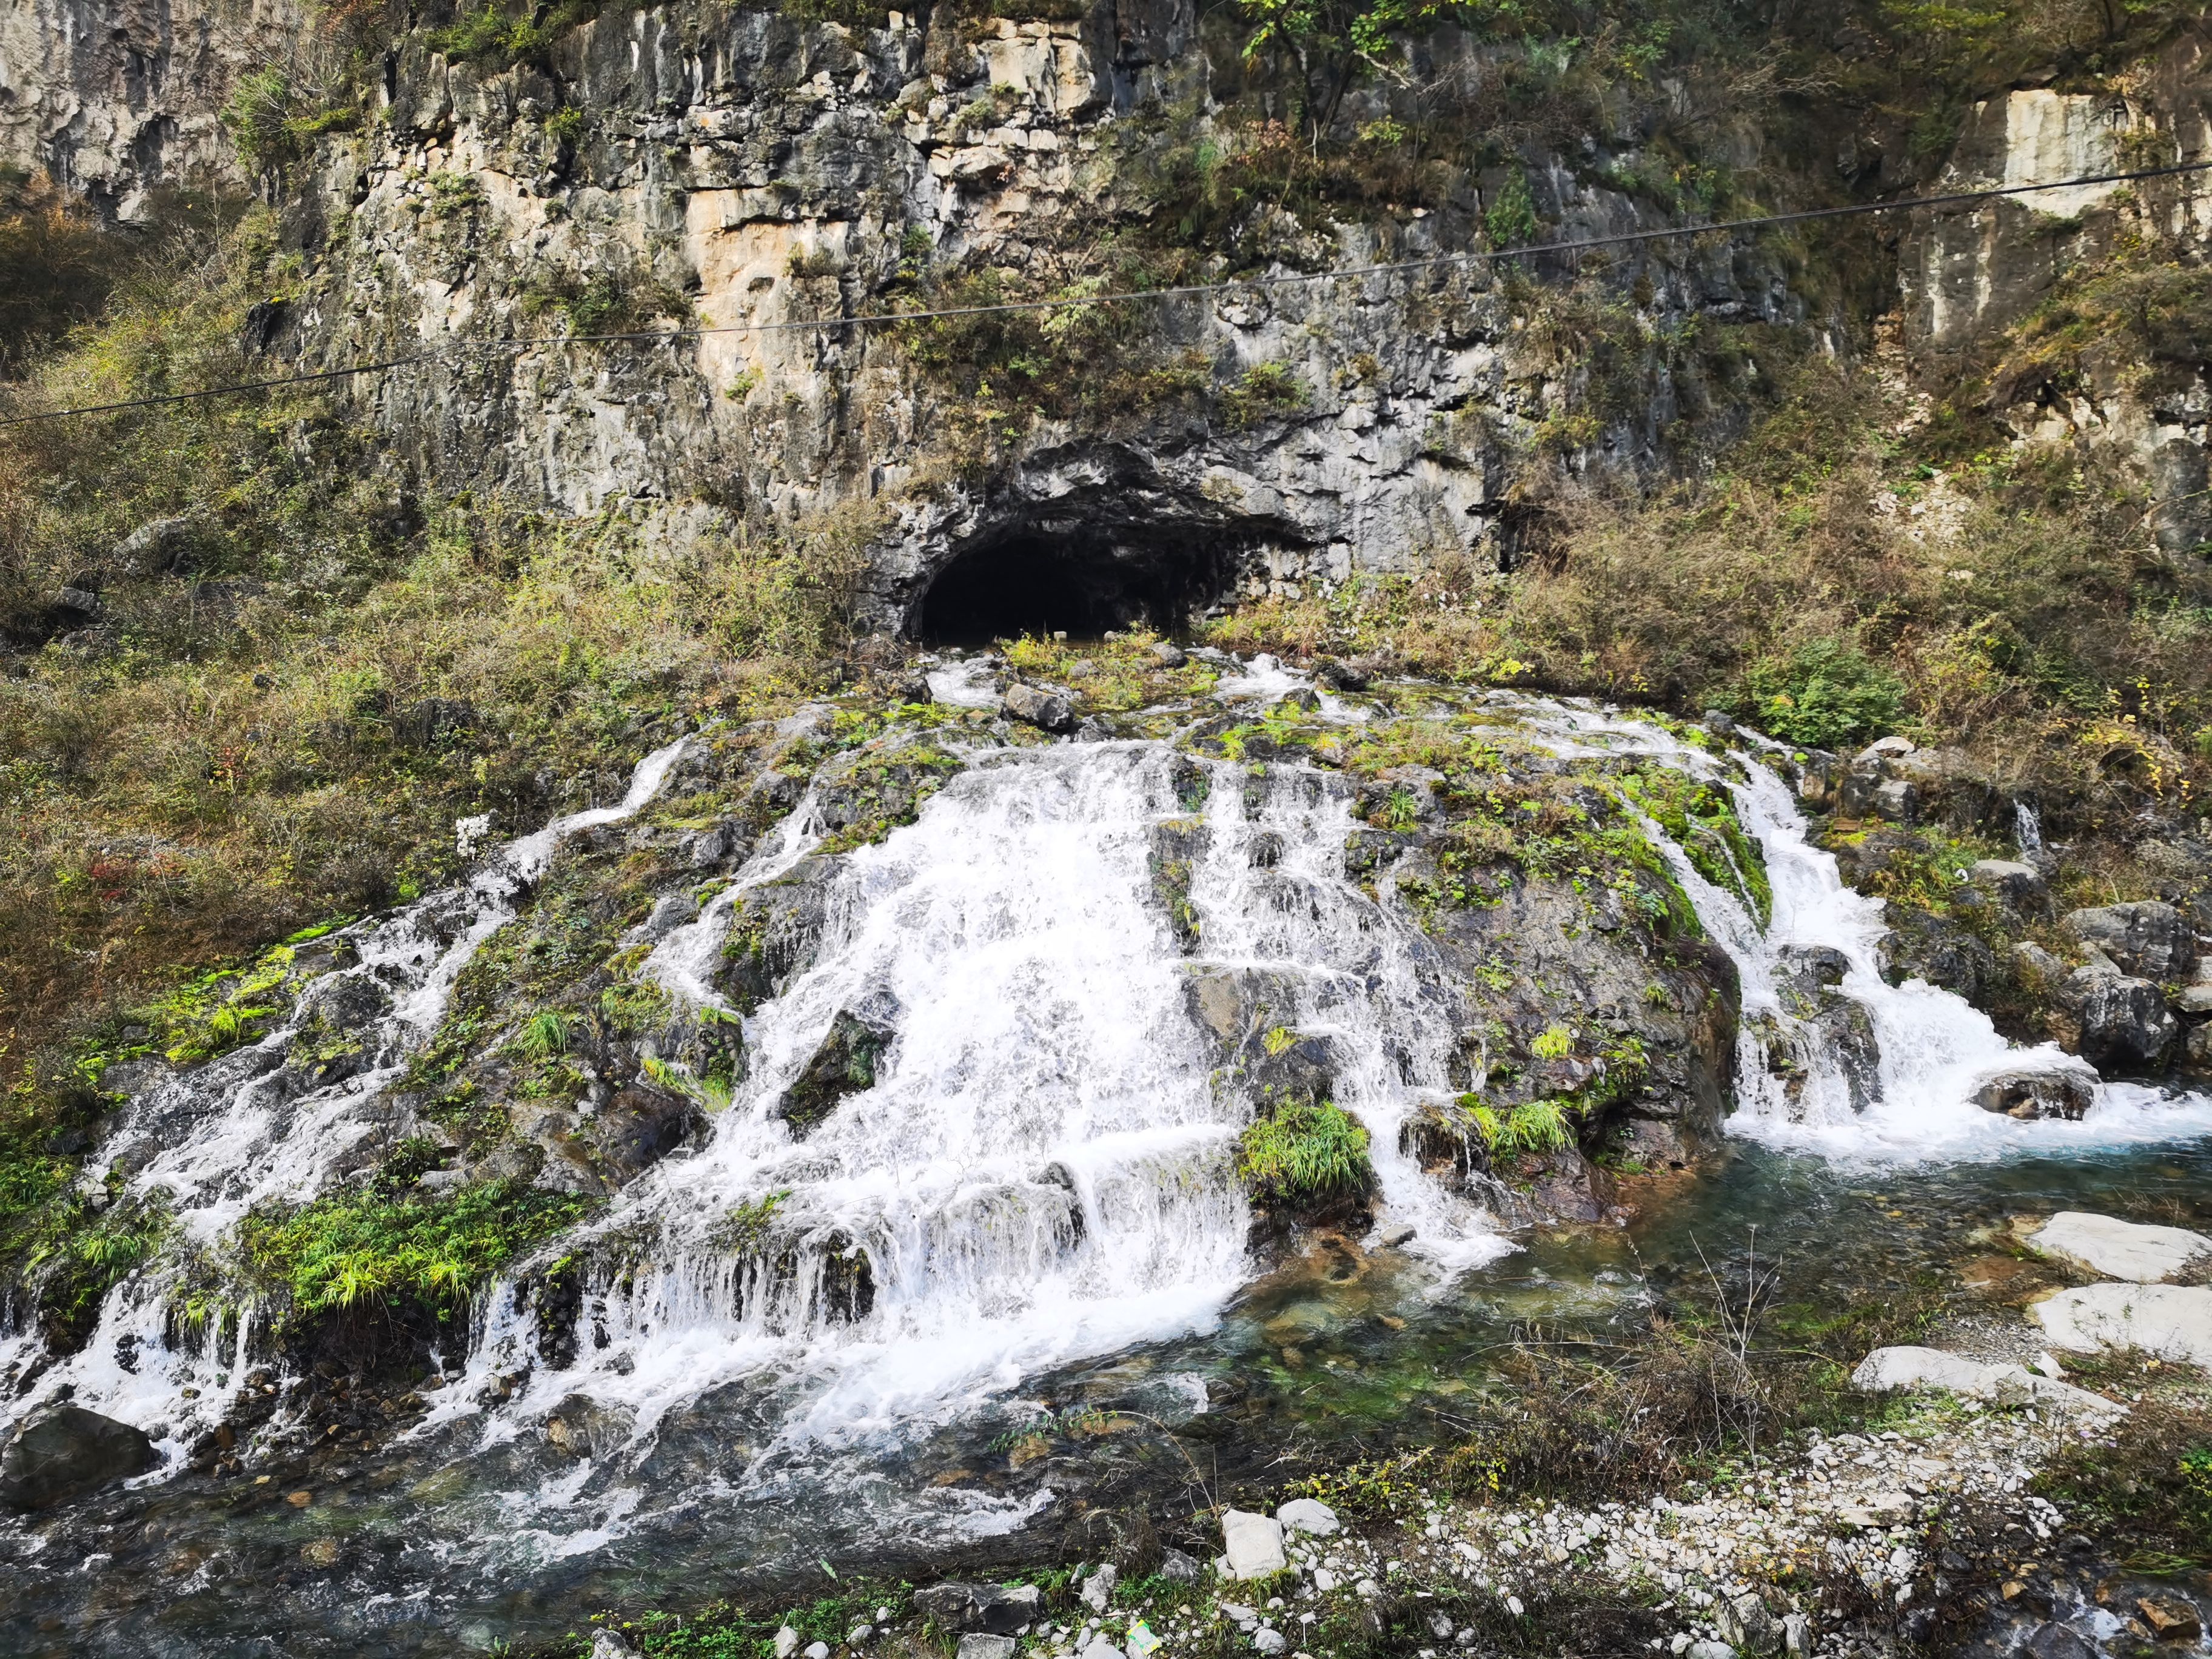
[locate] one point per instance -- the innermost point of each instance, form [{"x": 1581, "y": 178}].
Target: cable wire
[{"x": 869, "y": 320}]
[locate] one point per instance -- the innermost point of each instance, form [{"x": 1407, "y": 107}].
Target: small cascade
[
  {"x": 1042, "y": 1166},
  {"x": 1831, "y": 1057},
  {"x": 253, "y": 1126}
]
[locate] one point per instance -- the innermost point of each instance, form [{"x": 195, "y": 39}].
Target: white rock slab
[
  {"x": 2112, "y": 1248},
  {"x": 1888, "y": 1369},
  {"x": 1308, "y": 1515},
  {"x": 1252, "y": 1544},
  {"x": 2172, "y": 1322}
]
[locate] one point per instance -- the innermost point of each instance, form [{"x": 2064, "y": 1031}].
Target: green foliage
[
  {"x": 746, "y": 1227},
  {"x": 1823, "y": 693},
  {"x": 1700, "y": 818},
  {"x": 1304, "y": 1153},
  {"x": 544, "y": 1034},
  {"x": 1555, "y": 1042},
  {"x": 274, "y": 121},
  {"x": 2144, "y": 1489},
  {"x": 1510, "y": 221},
  {"x": 348, "y": 1251},
  {"x": 1262, "y": 393}
]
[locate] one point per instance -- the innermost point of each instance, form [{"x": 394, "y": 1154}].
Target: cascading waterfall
[
  {"x": 1041, "y": 1168},
  {"x": 242, "y": 1130},
  {"x": 1934, "y": 1047}
]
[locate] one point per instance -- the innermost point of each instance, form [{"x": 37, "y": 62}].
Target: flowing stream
[{"x": 1040, "y": 1177}]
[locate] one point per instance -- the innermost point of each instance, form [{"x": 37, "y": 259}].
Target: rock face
[
  {"x": 2122, "y": 1026},
  {"x": 2146, "y": 939},
  {"x": 113, "y": 101},
  {"x": 2172, "y": 1322},
  {"x": 2112, "y": 1248},
  {"x": 758, "y": 169},
  {"x": 66, "y": 1451},
  {"x": 1970, "y": 274}
]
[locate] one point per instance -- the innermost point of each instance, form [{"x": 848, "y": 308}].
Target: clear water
[{"x": 1041, "y": 1177}]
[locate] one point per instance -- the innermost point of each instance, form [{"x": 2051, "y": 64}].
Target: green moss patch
[{"x": 348, "y": 1251}]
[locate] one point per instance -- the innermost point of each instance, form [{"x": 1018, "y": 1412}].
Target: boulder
[
  {"x": 65, "y": 1451},
  {"x": 1097, "y": 1593},
  {"x": 1308, "y": 1514},
  {"x": 606, "y": 1645},
  {"x": 1252, "y": 1544},
  {"x": 2112, "y": 1248},
  {"x": 981, "y": 1644},
  {"x": 2146, "y": 939},
  {"x": 1168, "y": 655},
  {"x": 2169, "y": 1321},
  {"x": 2056, "y": 1641},
  {"x": 1921, "y": 944},
  {"x": 1887, "y": 1369},
  {"x": 844, "y": 1064},
  {"x": 2124, "y": 1022},
  {"x": 1046, "y": 710},
  {"x": 994, "y": 1609},
  {"x": 1748, "y": 1625},
  {"x": 2018, "y": 887},
  {"x": 1809, "y": 979},
  {"x": 2030, "y": 1093}
]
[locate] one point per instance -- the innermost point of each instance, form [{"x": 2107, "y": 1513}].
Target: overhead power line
[{"x": 1247, "y": 284}]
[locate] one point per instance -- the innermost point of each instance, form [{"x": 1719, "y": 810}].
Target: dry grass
[
  {"x": 2034, "y": 624},
  {"x": 280, "y": 718}
]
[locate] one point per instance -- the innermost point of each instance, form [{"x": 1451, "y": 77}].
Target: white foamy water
[
  {"x": 1936, "y": 1047},
  {"x": 1040, "y": 1167},
  {"x": 216, "y": 1140}
]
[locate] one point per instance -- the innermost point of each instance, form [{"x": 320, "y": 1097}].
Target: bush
[
  {"x": 1304, "y": 1154},
  {"x": 1823, "y": 693}
]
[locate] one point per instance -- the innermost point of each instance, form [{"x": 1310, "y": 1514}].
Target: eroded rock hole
[{"x": 1044, "y": 583}]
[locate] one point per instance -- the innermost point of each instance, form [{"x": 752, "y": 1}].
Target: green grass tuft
[{"x": 1304, "y": 1154}]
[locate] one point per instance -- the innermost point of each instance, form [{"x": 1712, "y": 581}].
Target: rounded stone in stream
[
  {"x": 1047, "y": 710},
  {"x": 2028, "y": 1092},
  {"x": 65, "y": 1451}
]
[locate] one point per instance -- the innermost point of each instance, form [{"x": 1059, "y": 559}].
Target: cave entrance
[{"x": 1043, "y": 582}]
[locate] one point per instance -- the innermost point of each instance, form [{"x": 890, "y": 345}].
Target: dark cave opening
[{"x": 1041, "y": 583}]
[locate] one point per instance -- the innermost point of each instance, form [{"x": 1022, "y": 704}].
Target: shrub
[
  {"x": 1824, "y": 694},
  {"x": 1304, "y": 1154},
  {"x": 1262, "y": 390}
]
